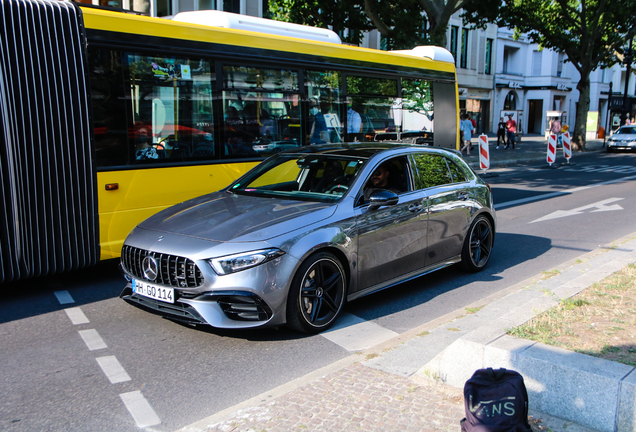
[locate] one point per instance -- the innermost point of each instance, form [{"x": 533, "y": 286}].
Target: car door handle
[
  {"x": 415, "y": 208},
  {"x": 463, "y": 196}
]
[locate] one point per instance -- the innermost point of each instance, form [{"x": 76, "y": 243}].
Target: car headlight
[{"x": 242, "y": 261}]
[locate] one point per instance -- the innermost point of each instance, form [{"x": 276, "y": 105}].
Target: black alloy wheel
[
  {"x": 478, "y": 245},
  {"x": 317, "y": 294}
]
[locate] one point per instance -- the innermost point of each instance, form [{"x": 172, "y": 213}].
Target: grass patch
[{"x": 599, "y": 321}]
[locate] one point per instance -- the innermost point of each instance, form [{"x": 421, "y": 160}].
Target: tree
[
  {"x": 344, "y": 17},
  {"x": 589, "y": 32},
  {"x": 404, "y": 23},
  {"x": 437, "y": 14}
]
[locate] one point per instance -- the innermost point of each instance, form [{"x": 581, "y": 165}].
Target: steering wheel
[{"x": 342, "y": 187}]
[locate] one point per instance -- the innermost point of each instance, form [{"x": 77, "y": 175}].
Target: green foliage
[
  {"x": 403, "y": 24},
  {"x": 340, "y": 15}
]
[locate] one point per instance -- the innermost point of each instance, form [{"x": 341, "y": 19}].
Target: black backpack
[{"x": 495, "y": 401}]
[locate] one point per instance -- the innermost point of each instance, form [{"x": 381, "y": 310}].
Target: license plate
[{"x": 155, "y": 292}]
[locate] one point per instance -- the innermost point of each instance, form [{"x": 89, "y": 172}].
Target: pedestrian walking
[
  {"x": 501, "y": 132},
  {"x": 466, "y": 127},
  {"x": 511, "y": 130},
  {"x": 555, "y": 128}
]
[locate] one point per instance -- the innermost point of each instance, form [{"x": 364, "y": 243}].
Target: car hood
[{"x": 228, "y": 217}]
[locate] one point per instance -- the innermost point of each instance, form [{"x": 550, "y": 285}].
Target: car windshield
[
  {"x": 626, "y": 131},
  {"x": 323, "y": 178}
]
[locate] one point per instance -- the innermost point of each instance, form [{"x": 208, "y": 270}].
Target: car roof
[{"x": 362, "y": 149}]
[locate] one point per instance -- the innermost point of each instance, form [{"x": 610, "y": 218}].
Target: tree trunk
[{"x": 578, "y": 138}]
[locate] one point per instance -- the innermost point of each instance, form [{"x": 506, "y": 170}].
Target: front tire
[
  {"x": 317, "y": 294},
  {"x": 478, "y": 245}
]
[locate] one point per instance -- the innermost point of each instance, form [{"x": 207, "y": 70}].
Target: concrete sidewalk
[{"x": 414, "y": 381}]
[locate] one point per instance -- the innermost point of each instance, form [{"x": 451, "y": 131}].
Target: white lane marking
[
  {"x": 140, "y": 409},
  {"x": 600, "y": 206},
  {"x": 92, "y": 339},
  {"x": 565, "y": 192},
  {"x": 76, "y": 316},
  {"x": 64, "y": 297},
  {"x": 354, "y": 334},
  {"x": 113, "y": 370}
]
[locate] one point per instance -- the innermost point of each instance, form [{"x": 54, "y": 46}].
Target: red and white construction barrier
[
  {"x": 552, "y": 144},
  {"x": 567, "y": 146},
  {"x": 484, "y": 152}
]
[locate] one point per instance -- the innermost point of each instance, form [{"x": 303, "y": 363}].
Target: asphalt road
[{"x": 77, "y": 358}]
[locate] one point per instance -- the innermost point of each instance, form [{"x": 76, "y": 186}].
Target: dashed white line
[
  {"x": 92, "y": 339},
  {"x": 140, "y": 409},
  {"x": 113, "y": 370},
  {"x": 76, "y": 316},
  {"x": 64, "y": 297}
]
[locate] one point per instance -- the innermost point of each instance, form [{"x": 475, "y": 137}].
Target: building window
[
  {"x": 560, "y": 64},
  {"x": 488, "y": 66},
  {"x": 511, "y": 101},
  {"x": 536, "y": 63},
  {"x": 232, "y": 6},
  {"x": 453, "y": 42},
  {"x": 464, "y": 54}
]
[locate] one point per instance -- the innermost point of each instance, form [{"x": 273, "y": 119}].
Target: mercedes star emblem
[{"x": 149, "y": 266}]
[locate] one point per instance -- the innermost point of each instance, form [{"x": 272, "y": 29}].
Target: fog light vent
[{"x": 244, "y": 308}]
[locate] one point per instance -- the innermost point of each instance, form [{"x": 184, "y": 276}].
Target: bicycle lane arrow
[{"x": 598, "y": 207}]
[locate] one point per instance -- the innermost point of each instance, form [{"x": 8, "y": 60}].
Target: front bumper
[{"x": 223, "y": 309}]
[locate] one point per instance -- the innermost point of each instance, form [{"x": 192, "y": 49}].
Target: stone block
[{"x": 626, "y": 421}]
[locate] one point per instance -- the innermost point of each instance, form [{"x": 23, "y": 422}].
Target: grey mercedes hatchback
[{"x": 306, "y": 231}]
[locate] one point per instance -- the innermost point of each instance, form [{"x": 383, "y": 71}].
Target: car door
[
  {"x": 391, "y": 239},
  {"x": 449, "y": 205}
]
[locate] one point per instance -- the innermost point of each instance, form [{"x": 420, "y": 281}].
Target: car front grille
[{"x": 173, "y": 271}]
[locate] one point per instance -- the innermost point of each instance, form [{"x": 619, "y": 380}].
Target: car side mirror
[{"x": 382, "y": 198}]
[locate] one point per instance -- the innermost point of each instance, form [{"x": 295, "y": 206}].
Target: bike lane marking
[
  {"x": 140, "y": 409},
  {"x": 135, "y": 402}
]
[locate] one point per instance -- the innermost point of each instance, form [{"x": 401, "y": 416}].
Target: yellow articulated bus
[{"x": 108, "y": 117}]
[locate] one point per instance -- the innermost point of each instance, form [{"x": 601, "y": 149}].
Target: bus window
[
  {"x": 171, "y": 105},
  {"x": 109, "y": 109},
  {"x": 370, "y": 103},
  {"x": 417, "y": 105},
  {"x": 325, "y": 107},
  {"x": 261, "y": 111}
]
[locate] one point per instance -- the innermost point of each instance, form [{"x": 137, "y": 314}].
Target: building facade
[{"x": 474, "y": 53}]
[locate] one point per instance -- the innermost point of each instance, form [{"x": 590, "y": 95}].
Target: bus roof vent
[
  {"x": 430, "y": 51},
  {"x": 216, "y": 18}
]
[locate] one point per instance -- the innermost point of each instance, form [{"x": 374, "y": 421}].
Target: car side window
[
  {"x": 431, "y": 170},
  {"x": 458, "y": 175},
  {"x": 389, "y": 175}
]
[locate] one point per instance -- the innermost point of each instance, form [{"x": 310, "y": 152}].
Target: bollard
[
  {"x": 552, "y": 143},
  {"x": 484, "y": 156},
  {"x": 567, "y": 146},
  {"x": 484, "y": 153}
]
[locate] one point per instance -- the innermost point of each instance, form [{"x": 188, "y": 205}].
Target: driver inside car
[{"x": 380, "y": 180}]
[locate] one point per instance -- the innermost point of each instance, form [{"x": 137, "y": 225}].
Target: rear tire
[
  {"x": 478, "y": 245},
  {"x": 317, "y": 294}
]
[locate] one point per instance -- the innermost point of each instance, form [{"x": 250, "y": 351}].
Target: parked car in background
[
  {"x": 623, "y": 139},
  {"x": 307, "y": 230}
]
